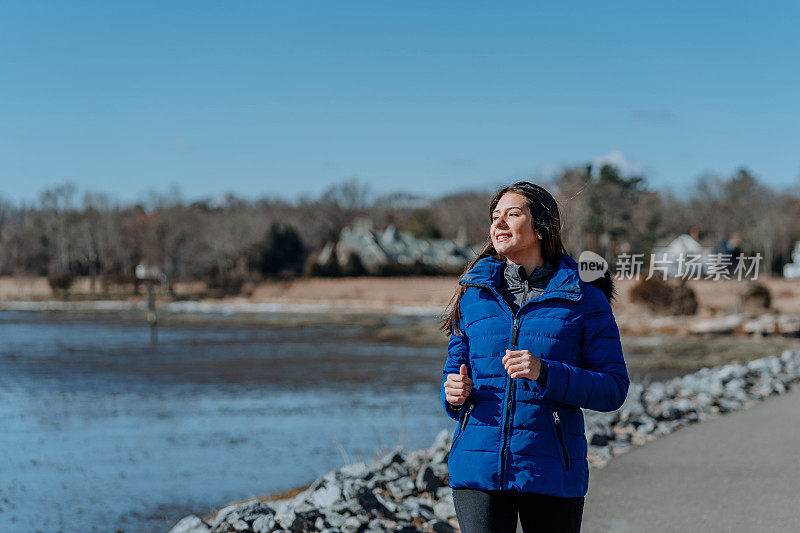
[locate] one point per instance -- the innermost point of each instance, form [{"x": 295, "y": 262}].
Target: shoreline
[
  {"x": 715, "y": 298},
  {"x": 409, "y": 490}
]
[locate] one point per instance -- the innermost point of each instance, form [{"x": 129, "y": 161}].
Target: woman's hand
[
  {"x": 522, "y": 364},
  {"x": 457, "y": 387}
]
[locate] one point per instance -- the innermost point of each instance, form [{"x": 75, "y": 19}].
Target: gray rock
[
  {"x": 264, "y": 524},
  {"x": 601, "y": 452},
  {"x": 441, "y": 470},
  {"x": 388, "y": 505},
  {"x": 442, "y": 440},
  {"x": 334, "y": 520},
  {"x": 646, "y": 424},
  {"x": 394, "y": 471},
  {"x": 598, "y": 439},
  {"x": 444, "y": 509},
  {"x": 663, "y": 428},
  {"x": 353, "y": 470},
  {"x": 285, "y": 517},
  {"x": 427, "y": 480},
  {"x": 440, "y": 457},
  {"x": 347, "y": 507},
  {"x": 253, "y": 509},
  {"x": 439, "y": 526},
  {"x": 328, "y": 479},
  {"x": 351, "y": 487},
  {"x": 380, "y": 525},
  {"x": 401, "y": 488},
  {"x": 227, "y": 514},
  {"x": 684, "y": 405},
  {"x": 353, "y": 524},
  {"x": 299, "y": 525},
  {"x": 307, "y": 512},
  {"x": 731, "y": 371},
  {"x": 703, "y": 400},
  {"x": 326, "y": 495},
  {"x": 190, "y": 524},
  {"x": 443, "y": 493},
  {"x": 419, "y": 508},
  {"x": 240, "y": 525},
  {"x": 236, "y": 516}
]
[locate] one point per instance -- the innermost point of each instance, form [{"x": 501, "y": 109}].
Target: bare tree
[
  {"x": 342, "y": 203},
  {"x": 58, "y": 208}
]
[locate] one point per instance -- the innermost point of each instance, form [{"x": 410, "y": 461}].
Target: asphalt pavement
[{"x": 735, "y": 472}]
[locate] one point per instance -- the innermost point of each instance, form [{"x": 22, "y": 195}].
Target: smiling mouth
[{"x": 503, "y": 237}]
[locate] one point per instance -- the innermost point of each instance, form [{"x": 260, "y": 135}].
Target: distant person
[
  {"x": 731, "y": 246},
  {"x": 530, "y": 345}
]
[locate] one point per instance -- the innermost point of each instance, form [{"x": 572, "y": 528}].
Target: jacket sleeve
[
  {"x": 601, "y": 383},
  {"x": 457, "y": 354}
]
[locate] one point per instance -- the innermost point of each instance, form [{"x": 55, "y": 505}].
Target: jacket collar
[
  {"x": 565, "y": 282},
  {"x": 515, "y": 276}
]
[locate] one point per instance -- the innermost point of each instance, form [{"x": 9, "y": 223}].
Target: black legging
[{"x": 495, "y": 511}]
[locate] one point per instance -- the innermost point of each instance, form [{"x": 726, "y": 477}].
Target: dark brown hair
[{"x": 546, "y": 221}]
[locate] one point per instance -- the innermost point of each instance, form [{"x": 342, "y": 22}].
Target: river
[{"x": 102, "y": 431}]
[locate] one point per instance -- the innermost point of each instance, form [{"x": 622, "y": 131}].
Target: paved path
[{"x": 735, "y": 472}]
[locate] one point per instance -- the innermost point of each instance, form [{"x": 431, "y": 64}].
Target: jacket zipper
[
  {"x": 467, "y": 411},
  {"x": 512, "y": 385},
  {"x": 561, "y": 439},
  {"x": 511, "y": 393}
]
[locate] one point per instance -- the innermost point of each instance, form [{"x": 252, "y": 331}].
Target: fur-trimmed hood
[{"x": 606, "y": 284}]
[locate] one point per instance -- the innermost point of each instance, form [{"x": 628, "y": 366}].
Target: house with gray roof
[{"x": 380, "y": 247}]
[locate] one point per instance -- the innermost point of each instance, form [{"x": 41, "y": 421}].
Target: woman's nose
[{"x": 500, "y": 222}]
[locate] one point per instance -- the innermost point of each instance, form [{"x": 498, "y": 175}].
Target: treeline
[
  {"x": 612, "y": 214},
  {"x": 224, "y": 242},
  {"x": 229, "y": 240}
]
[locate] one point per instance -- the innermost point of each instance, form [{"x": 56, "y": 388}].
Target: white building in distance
[
  {"x": 674, "y": 255},
  {"x": 378, "y": 247},
  {"x": 792, "y": 270}
]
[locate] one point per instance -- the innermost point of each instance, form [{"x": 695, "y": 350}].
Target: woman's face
[{"x": 512, "y": 226}]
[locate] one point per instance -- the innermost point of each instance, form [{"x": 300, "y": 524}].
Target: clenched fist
[
  {"x": 457, "y": 387},
  {"x": 522, "y": 364}
]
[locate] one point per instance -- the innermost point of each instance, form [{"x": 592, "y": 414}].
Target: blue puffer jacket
[{"x": 511, "y": 434}]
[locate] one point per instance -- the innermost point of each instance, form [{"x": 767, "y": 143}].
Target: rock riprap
[{"x": 406, "y": 491}]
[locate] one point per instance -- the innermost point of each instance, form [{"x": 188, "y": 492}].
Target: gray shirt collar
[{"x": 515, "y": 275}]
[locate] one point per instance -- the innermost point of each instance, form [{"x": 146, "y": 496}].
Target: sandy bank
[{"x": 715, "y": 297}]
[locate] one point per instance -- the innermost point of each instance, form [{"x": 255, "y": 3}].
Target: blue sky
[{"x": 284, "y": 99}]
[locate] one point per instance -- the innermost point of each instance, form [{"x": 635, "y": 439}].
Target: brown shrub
[
  {"x": 665, "y": 296},
  {"x": 754, "y": 299},
  {"x": 60, "y": 283}
]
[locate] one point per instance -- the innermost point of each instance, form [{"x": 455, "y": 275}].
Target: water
[{"x": 102, "y": 431}]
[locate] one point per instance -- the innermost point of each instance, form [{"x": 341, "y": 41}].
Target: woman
[{"x": 530, "y": 345}]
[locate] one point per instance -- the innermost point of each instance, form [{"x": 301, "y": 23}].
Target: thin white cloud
[{"x": 617, "y": 159}]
